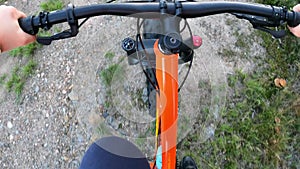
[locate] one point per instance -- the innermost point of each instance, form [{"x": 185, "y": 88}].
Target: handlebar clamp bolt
[{"x": 171, "y": 42}]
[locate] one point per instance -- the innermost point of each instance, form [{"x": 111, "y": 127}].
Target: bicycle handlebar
[{"x": 274, "y": 16}]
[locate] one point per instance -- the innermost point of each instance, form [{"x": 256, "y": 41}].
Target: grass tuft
[
  {"x": 52, "y": 5},
  {"x": 109, "y": 55},
  {"x": 26, "y": 51},
  {"x": 29, "y": 68},
  {"x": 18, "y": 77},
  {"x": 108, "y": 74}
]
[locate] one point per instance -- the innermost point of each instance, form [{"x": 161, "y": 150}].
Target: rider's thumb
[{"x": 296, "y": 8}]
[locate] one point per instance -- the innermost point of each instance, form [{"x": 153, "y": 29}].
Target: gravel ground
[{"x": 60, "y": 111}]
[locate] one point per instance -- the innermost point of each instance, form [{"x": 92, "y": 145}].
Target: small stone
[
  {"x": 66, "y": 118},
  {"x": 68, "y": 68},
  {"x": 145, "y": 95},
  {"x": 9, "y": 125},
  {"x": 73, "y": 96},
  {"x": 105, "y": 114},
  {"x": 64, "y": 92},
  {"x": 66, "y": 158},
  {"x": 70, "y": 87},
  {"x": 37, "y": 89}
]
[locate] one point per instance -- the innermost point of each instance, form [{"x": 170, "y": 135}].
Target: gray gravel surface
[{"x": 60, "y": 110}]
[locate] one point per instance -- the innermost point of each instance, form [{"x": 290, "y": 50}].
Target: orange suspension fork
[{"x": 167, "y": 105}]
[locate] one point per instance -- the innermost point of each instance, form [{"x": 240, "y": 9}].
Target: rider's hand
[
  {"x": 11, "y": 35},
  {"x": 296, "y": 30}
]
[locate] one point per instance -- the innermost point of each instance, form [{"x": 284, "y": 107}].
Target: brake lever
[
  {"x": 278, "y": 34},
  {"x": 48, "y": 40},
  {"x": 73, "y": 31},
  {"x": 261, "y": 23}
]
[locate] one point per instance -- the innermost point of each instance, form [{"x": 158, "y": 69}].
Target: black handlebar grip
[
  {"x": 27, "y": 25},
  {"x": 294, "y": 20}
]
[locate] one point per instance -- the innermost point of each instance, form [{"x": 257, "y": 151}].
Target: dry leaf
[
  {"x": 279, "y": 82},
  {"x": 274, "y": 141},
  {"x": 277, "y": 129},
  {"x": 277, "y": 120}
]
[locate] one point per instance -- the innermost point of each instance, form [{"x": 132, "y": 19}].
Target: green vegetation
[
  {"x": 2, "y": 78},
  {"x": 260, "y": 126},
  {"x": 52, "y": 5},
  {"x": 109, "y": 55},
  {"x": 26, "y": 51},
  {"x": 108, "y": 74},
  {"x": 28, "y": 69},
  {"x": 19, "y": 76},
  {"x": 114, "y": 70}
]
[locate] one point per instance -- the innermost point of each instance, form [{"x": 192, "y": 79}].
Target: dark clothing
[{"x": 113, "y": 153}]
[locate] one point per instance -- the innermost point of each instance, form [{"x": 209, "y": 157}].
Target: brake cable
[
  {"x": 191, "y": 61},
  {"x": 110, "y": 1},
  {"x": 139, "y": 39},
  {"x": 184, "y": 26},
  {"x": 155, "y": 85}
]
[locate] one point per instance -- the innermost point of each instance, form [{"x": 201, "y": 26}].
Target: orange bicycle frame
[{"x": 167, "y": 105}]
